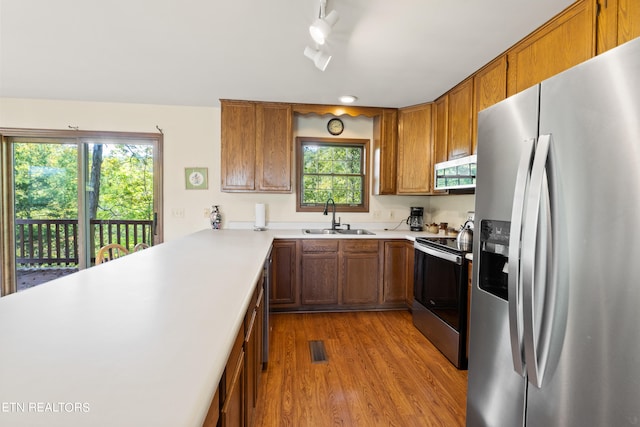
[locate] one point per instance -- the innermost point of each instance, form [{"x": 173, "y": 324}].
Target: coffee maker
[{"x": 415, "y": 219}]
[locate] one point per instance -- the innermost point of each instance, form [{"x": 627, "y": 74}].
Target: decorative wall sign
[{"x": 196, "y": 178}]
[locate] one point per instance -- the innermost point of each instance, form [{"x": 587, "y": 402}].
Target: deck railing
[{"x": 54, "y": 242}]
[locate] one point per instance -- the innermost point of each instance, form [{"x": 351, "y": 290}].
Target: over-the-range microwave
[{"x": 456, "y": 174}]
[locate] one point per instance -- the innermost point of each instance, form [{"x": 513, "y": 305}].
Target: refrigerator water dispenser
[{"x": 494, "y": 257}]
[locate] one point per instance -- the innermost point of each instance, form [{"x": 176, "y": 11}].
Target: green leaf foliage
[
  {"x": 331, "y": 170},
  {"x": 46, "y": 181}
]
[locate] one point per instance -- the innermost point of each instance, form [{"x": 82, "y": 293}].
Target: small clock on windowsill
[{"x": 335, "y": 126}]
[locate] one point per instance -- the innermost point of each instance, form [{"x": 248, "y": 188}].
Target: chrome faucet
[{"x": 334, "y": 224}]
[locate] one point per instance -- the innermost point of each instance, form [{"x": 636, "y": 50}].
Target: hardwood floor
[{"x": 380, "y": 370}]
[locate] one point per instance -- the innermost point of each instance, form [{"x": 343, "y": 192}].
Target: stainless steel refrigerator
[{"x": 555, "y": 305}]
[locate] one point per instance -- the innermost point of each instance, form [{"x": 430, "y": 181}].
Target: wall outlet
[
  {"x": 391, "y": 214},
  {"x": 177, "y": 212},
  {"x": 376, "y": 214},
  {"x": 207, "y": 212}
]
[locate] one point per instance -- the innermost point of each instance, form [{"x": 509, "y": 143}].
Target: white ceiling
[{"x": 194, "y": 52}]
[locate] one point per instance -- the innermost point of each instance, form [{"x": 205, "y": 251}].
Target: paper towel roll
[{"x": 260, "y": 215}]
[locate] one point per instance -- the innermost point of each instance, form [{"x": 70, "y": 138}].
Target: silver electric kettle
[{"x": 465, "y": 237}]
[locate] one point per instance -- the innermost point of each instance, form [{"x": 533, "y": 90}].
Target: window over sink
[{"x": 332, "y": 168}]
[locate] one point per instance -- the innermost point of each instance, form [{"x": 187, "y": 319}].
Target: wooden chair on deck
[
  {"x": 110, "y": 252},
  {"x": 140, "y": 246}
]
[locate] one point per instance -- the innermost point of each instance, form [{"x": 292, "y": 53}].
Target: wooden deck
[{"x": 30, "y": 277}]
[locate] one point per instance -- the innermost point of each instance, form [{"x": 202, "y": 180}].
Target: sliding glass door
[
  {"x": 70, "y": 195},
  {"x": 45, "y": 195}
]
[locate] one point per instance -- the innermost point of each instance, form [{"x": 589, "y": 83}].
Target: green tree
[
  {"x": 94, "y": 179},
  {"x": 46, "y": 183},
  {"x": 126, "y": 182},
  {"x": 332, "y": 171}
]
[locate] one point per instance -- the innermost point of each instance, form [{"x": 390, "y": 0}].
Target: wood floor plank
[{"x": 380, "y": 371}]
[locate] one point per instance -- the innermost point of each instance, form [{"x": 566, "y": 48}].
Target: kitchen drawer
[
  {"x": 255, "y": 297},
  {"x": 320, "y": 245},
  {"x": 234, "y": 358},
  {"x": 360, "y": 245}
]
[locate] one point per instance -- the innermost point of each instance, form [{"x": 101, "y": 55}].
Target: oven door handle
[{"x": 456, "y": 259}]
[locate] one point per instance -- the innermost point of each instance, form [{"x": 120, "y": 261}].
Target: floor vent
[{"x": 318, "y": 353}]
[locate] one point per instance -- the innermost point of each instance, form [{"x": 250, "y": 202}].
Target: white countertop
[
  {"x": 139, "y": 341},
  {"x": 378, "y": 234}
]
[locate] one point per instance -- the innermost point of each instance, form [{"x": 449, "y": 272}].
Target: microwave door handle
[
  {"x": 537, "y": 254},
  {"x": 514, "y": 278}
]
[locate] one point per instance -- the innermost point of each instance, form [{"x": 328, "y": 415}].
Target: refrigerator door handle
[
  {"x": 514, "y": 286},
  {"x": 537, "y": 256}
]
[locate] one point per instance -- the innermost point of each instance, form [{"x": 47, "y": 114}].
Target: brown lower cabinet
[
  {"x": 232, "y": 413},
  {"x": 411, "y": 253},
  {"x": 253, "y": 355},
  {"x": 396, "y": 273},
  {"x": 235, "y": 400},
  {"x": 283, "y": 290},
  {"x": 340, "y": 274},
  {"x": 319, "y": 272},
  {"x": 359, "y": 272}
]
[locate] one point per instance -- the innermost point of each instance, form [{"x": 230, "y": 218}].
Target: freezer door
[
  {"x": 496, "y": 392},
  {"x": 592, "y": 113}
]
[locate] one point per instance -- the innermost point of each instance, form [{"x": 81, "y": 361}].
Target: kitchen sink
[
  {"x": 319, "y": 231},
  {"x": 356, "y": 231}
]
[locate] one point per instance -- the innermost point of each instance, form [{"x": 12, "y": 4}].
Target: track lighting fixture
[
  {"x": 319, "y": 58},
  {"x": 319, "y": 31}
]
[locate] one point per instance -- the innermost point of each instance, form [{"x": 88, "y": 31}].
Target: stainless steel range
[{"x": 440, "y": 296}]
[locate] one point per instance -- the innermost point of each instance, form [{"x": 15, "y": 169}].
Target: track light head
[
  {"x": 319, "y": 58},
  {"x": 322, "y": 26}
]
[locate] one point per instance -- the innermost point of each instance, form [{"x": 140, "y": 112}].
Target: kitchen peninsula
[{"x": 142, "y": 340}]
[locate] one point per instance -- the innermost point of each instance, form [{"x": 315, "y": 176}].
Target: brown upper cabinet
[
  {"x": 490, "y": 86},
  {"x": 414, "y": 149},
  {"x": 460, "y": 120},
  {"x": 238, "y": 145},
  {"x": 385, "y": 143},
  {"x": 618, "y": 22},
  {"x": 274, "y": 147},
  {"x": 565, "y": 41},
  {"x": 439, "y": 149},
  {"x": 441, "y": 129},
  {"x": 256, "y": 146}
]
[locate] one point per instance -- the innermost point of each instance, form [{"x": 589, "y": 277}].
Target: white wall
[
  {"x": 451, "y": 208},
  {"x": 192, "y": 138}
]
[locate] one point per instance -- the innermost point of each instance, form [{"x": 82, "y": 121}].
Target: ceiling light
[
  {"x": 318, "y": 57},
  {"x": 348, "y": 99},
  {"x": 321, "y": 28}
]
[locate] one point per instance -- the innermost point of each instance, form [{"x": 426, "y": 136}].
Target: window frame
[{"x": 364, "y": 143}]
